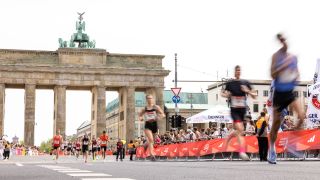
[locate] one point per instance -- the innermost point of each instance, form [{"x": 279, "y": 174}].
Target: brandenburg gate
[{"x": 80, "y": 68}]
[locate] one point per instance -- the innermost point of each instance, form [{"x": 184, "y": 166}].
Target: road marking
[
  {"x": 52, "y": 167},
  {"x": 19, "y": 164},
  {"x": 88, "y": 174},
  {"x": 75, "y": 171},
  {"x": 66, "y": 169},
  {"x": 106, "y": 179}
]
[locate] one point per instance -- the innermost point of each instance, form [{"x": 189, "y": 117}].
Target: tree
[{"x": 46, "y": 146}]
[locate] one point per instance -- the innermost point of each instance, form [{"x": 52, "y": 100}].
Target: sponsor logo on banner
[
  {"x": 206, "y": 148},
  {"x": 283, "y": 142},
  {"x": 312, "y": 139},
  {"x": 315, "y": 101}
]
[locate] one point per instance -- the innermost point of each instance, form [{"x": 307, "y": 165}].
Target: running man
[
  {"x": 78, "y": 147},
  {"x": 284, "y": 72},
  {"x": 103, "y": 144},
  {"x": 237, "y": 90},
  {"x": 69, "y": 148},
  {"x": 57, "y": 141},
  {"x": 98, "y": 148},
  {"x": 85, "y": 147},
  {"x": 94, "y": 148},
  {"x": 151, "y": 114}
]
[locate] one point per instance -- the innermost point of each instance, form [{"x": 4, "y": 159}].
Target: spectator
[
  {"x": 181, "y": 136},
  {"x": 262, "y": 137},
  {"x": 1, "y": 148},
  {"x": 250, "y": 127},
  {"x": 131, "y": 148},
  {"x": 223, "y": 132},
  {"x": 157, "y": 139},
  {"x": 6, "y": 152},
  {"x": 119, "y": 149},
  {"x": 197, "y": 133},
  {"x": 190, "y": 135},
  {"x": 203, "y": 135}
]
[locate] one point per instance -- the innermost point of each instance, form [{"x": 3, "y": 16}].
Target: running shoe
[
  {"x": 244, "y": 156},
  {"x": 272, "y": 159},
  {"x": 153, "y": 158}
]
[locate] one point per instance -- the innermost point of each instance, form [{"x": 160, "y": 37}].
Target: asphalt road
[{"x": 40, "y": 168}]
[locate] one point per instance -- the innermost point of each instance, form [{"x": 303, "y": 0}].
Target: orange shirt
[{"x": 104, "y": 139}]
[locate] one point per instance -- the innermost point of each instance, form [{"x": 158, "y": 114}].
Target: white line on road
[
  {"x": 106, "y": 179},
  {"x": 75, "y": 171},
  {"x": 52, "y": 167},
  {"x": 19, "y": 164},
  {"x": 67, "y": 169},
  {"x": 88, "y": 174}
]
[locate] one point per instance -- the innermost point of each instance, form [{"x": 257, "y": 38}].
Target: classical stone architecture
[{"x": 95, "y": 70}]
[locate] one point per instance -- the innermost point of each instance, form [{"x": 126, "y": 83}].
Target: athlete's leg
[
  {"x": 57, "y": 153},
  {"x": 275, "y": 127},
  {"x": 150, "y": 140},
  {"x": 238, "y": 126},
  {"x": 273, "y": 136},
  {"x": 295, "y": 105}
]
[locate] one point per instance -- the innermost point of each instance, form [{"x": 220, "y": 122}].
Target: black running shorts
[
  {"x": 281, "y": 100},
  {"x": 152, "y": 126},
  {"x": 238, "y": 114},
  {"x": 85, "y": 148},
  {"x": 104, "y": 148}
]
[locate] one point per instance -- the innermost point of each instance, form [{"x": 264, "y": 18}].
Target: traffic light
[
  {"x": 178, "y": 121},
  {"x": 173, "y": 121}
]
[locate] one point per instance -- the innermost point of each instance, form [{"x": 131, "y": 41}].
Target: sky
[{"x": 210, "y": 38}]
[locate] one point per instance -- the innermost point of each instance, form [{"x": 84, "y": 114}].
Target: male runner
[
  {"x": 237, "y": 90},
  {"x": 284, "y": 72},
  {"x": 78, "y": 147},
  {"x": 94, "y": 147},
  {"x": 85, "y": 147},
  {"x": 57, "y": 141},
  {"x": 104, "y": 139}
]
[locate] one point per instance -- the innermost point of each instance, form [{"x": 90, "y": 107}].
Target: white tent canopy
[{"x": 219, "y": 113}]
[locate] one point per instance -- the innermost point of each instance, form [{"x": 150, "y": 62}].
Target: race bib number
[
  {"x": 151, "y": 116},
  {"x": 104, "y": 142},
  {"x": 85, "y": 142},
  {"x": 238, "y": 101},
  {"x": 56, "y": 142}
]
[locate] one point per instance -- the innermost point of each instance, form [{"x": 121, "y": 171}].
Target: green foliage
[{"x": 46, "y": 146}]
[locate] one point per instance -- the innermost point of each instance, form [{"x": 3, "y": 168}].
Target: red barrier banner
[{"x": 288, "y": 141}]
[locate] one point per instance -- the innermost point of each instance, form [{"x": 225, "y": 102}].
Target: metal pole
[
  {"x": 176, "y": 71},
  {"x": 176, "y": 79}
]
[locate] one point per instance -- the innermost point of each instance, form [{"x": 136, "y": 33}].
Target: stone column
[
  {"x": 2, "y": 106},
  {"x": 29, "y": 114},
  {"x": 59, "y": 122},
  {"x": 98, "y": 121},
  {"x": 162, "y": 124},
  {"x": 128, "y": 109}
]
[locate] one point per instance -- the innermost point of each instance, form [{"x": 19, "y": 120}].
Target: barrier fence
[{"x": 289, "y": 141}]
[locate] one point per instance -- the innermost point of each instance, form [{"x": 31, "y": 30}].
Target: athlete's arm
[
  {"x": 160, "y": 112},
  {"x": 274, "y": 73},
  {"x": 225, "y": 93},
  {"x": 141, "y": 114},
  {"x": 251, "y": 92}
]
